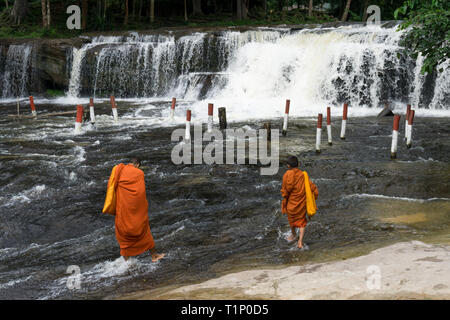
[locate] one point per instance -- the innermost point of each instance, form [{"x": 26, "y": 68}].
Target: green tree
[
  {"x": 427, "y": 25},
  {"x": 19, "y": 11}
]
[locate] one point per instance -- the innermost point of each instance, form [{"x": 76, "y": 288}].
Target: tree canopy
[
  {"x": 427, "y": 25},
  {"x": 48, "y": 17}
]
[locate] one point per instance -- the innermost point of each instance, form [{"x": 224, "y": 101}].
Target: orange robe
[
  {"x": 132, "y": 225},
  {"x": 294, "y": 197}
]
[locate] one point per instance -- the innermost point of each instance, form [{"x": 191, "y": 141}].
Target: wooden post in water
[
  {"x": 408, "y": 110},
  {"x": 318, "y": 132},
  {"x": 344, "y": 121},
  {"x": 330, "y": 139},
  {"x": 33, "y": 108},
  {"x": 210, "y": 117},
  {"x": 18, "y": 108},
  {"x": 286, "y": 115},
  {"x": 91, "y": 110},
  {"x": 268, "y": 127},
  {"x": 410, "y": 124},
  {"x": 395, "y": 136},
  {"x": 172, "y": 108},
  {"x": 79, "y": 118},
  {"x": 187, "y": 135},
  {"x": 222, "y": 118},
  {"x": 114, "y": 108}
]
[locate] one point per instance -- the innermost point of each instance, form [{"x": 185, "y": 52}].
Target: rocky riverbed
[
  {"x": 211, "y": 220},
  {"x": 405, "y": 270}
]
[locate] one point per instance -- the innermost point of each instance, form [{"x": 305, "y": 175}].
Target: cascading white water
[
  {"x": 315, "y": 68},
  {"x": 154, "y": 65},
  {"x": 441, "y": 96},
  {"x": 418, "y": 82},
  {"x": 262, "y": 67},
  {"x": 312, "y": 67},
  {"x": 74, "y": 84},
  {"x": 16, "y": 73},
  {"x": 325, "y": 67}
]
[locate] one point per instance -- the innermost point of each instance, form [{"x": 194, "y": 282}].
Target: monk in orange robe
[
  {"x": 294, "y": 199},
  {"x": 132, "y": 224}
]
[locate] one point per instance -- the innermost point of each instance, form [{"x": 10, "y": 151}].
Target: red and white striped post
[
  {"x": 394, "y": 144},
  {"x": 33, "y": 108},
  {"x": 408, "y": 110},
  {"x": 172, "y": 108},
  {"x": 318, "y": 132},
  {"x": 410, "y": 124},
  {"x": 344, "y": 121},
  {"x": 330, "y": 139},
  {"x": 91, "y": 110},
  {"x": 286, "y": 115},
  {"x": 114, "y": 108},
  {"x": 79, "y": 118},
  {"x": 188, "y": 125},
  {"x": 210, "y": 116}
]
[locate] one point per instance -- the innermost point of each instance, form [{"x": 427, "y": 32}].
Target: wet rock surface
[{"x": 209, "y": 219}]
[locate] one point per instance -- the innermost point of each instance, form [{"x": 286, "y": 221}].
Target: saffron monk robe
[
  {"x": 132, "y": 224},
  {"x": 294, "y": 199}
]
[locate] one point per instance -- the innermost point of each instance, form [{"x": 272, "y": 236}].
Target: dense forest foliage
[
  {"x": 35, "y": 18},
  {"x": 428, "y": 25}
]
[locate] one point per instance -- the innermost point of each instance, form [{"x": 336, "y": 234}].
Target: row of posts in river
[{"x": 223, "y": 122}]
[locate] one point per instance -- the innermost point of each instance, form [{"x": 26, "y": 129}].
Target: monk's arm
[
  {"x": 314, "y": 189},
  {"x": 287, "y": 185},
  {"x": 286, "y": 189}
]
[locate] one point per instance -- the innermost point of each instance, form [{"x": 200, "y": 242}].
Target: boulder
[{"x": 386, "y": 112}]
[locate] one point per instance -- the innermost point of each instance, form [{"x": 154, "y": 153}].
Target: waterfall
[
  {"x": 441, "y": 95},
  {"x": 315, "y": 68},
  {"x": 16, "y": 71},
  {"x": 361, "y": 65},
  {"x": 157, "y": 65},
  {"x": 75, "y": 74}
]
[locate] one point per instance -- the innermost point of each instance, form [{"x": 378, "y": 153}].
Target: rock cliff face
[{"x": 33, "y": 66}]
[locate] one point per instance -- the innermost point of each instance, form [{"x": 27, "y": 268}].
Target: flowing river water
[{"x": 215, "y": 219}]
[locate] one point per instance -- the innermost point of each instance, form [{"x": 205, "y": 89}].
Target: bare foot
[
  {"x": 300, "y": 245},
  {"x": 291, "y": 238},
  {"x": 157, "y": 256}
]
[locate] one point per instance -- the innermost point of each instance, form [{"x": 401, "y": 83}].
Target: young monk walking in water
[
  {"x": 132, "y": 224},
  {"x": 294, "y": 199}
]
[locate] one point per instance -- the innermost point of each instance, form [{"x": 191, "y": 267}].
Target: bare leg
[
  {"x": 125, "y": 258},
  {"x": 293, "y": 234},
  {"x": 300, "y": 239},
  {"x": 156, "y": 256}
]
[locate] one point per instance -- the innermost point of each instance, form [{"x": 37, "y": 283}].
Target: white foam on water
[
  {"x": 380, "y": 196},
  {"x": 173, "y": 233},
  {"x": 104, "y": 274},
  {"x": 25, "y": 196},
  {"x": 79, "y": 153},
  {"x": 12, "y": 283},
  {"x": 123, "y": 137},
  {"x": 72, "y": 176}
]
